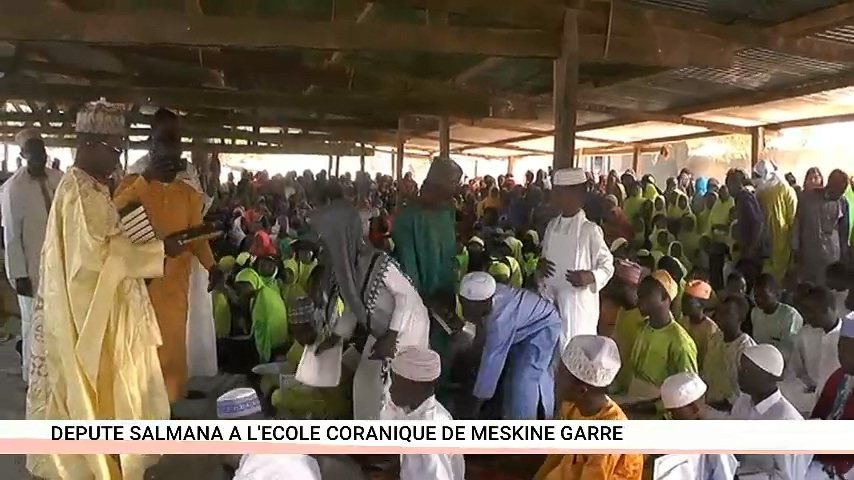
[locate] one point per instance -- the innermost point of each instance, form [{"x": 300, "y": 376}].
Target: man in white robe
[
  {"x": 414, "y": 371},
  {"x": 25, "y": 202},
  {"x": 815, "y": 354},
  {"x": 201, "y": 332},
  {"x": 576, "y": 262},
  {"x": 760, "y": 370}
]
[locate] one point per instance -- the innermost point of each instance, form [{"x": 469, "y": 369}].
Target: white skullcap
[
  {"x": 569, "y": 176},
  {"x": 593, "y": 359},
  {"x": 682, "y": 389},
  {"x": 238, "y": 403},
  {"x": 101, "y": 118},
  {"x": 26, "y": 135},
  {"x": 477, "y": 286},
  {"x": 847, "y": 328},
  {"x": 766, "y": 357},
  {"x": 417, "y": 364}
]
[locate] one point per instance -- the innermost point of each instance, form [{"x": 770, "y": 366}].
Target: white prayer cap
[
  {"x": 682, "y": 389},
  {"x": 477, "y": 286},
  {"x": 417, "y": 364},
  {"x": 26, "y": 135},
  {"x": 593, "y": 359},
  {"x": 569, "y": 176},
  {"x": 766, "y": 357},
  {"x": 847, "y": 328},
  {"x": 101, "y": 118},
  {"x": 238, "y": 403}
]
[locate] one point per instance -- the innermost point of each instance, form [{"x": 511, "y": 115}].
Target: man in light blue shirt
[
  {"x": 517, "y": 333},
  {"x": 773, "y": 321}
]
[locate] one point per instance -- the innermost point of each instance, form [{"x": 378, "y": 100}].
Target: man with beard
[{"x": 173, "y": 206}]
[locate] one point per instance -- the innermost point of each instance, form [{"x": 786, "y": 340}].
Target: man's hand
[
  {"x": 385, "y": 346},
  {"x": 172, "y": 247},
  {"x": 24, "y": 287},
  {"x": 545, "y": 268},
  {"x": 580, "y": 278}
]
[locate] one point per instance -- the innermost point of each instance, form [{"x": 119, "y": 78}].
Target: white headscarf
[{"x": 768, "y": 173}]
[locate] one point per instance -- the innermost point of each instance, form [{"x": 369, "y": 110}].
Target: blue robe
[{"x": 521, "y": 335}]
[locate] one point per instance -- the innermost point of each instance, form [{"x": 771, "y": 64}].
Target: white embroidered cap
[
  {"x": 682, "y": 389},
  {"x": 766, "y": 357},
  {"x": 593, "y": 359},
  {"x": 238, "y": 403},
  {"x": 477, "y": 286},
  {"x": 101, "y": 118},
  {"x": 569, "y": 176},
  {"x": 417, "y": 364}
]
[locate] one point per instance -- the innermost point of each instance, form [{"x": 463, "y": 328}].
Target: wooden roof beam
[
  {"x": 294, "y": 148},
  {"x": 810, "y": 122},
  {"x": 463, "y": 104},
  {"x": 643, "y": 116},
  {"x": 210, "y": 31},
  {"x": 667, "y": 47}
]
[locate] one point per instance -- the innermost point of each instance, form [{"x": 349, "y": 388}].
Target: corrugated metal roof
[
  {"x": 757, "y": 11},
  {"x": 754, "y": 69},
  {"x": 843, "y": 34}
]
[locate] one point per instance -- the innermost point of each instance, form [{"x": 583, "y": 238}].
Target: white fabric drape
[{"x": 201, "y": 331}]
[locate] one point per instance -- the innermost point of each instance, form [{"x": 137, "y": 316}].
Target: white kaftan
[
  {"x": 24, "y": 206},
  {"x": 412, "y": 322},
  {"x": 432, "y": 466},
  {"x": 813, "y": 360},
  {"x": 767, "y": 467},
  {"x": 576, "y": 243}
]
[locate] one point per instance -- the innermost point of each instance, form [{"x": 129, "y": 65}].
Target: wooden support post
[
  {"x": 444, "y": 138},
  {"x": 329, "y": 169},
  {"x": 127, "y": 156},
  {"x": 566, "y": 92},
  {"x": 511, "y": 163},
  {"x": 401, "y": 144},
  {"x": 636, "y": 153},
  {"x": 5, "y": 157},
  {"x": 337, "y": 165},
  {"x": 362, "y": 157},
  {"x": 757, "y": 145}
]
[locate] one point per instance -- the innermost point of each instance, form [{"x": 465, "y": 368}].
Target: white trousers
[{"x": 26, "y": 306}]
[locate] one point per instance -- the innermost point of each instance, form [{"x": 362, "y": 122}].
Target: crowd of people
[{"x": 556, "y": 296}]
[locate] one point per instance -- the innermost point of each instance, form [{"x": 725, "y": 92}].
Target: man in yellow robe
[
  {"x": 779, "y": 202},
  {"x": 588, "y": 365},
  {"x": 172, "y": 206},
  {"x": 95, "y": 335}
]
